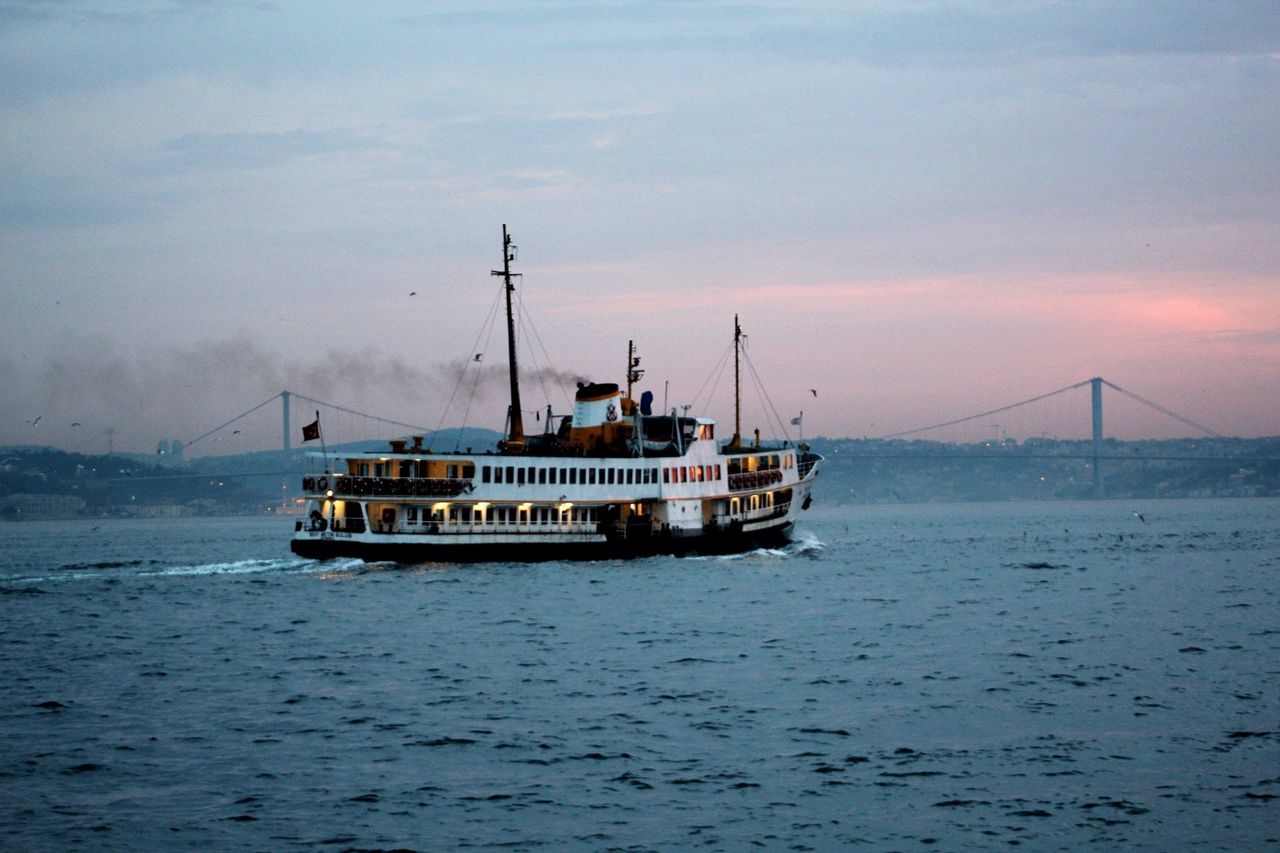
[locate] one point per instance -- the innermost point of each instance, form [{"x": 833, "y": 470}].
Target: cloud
[
  {"x": 204, "y": 151},
  {"x": 981, "y": 33},
  {"x": 182, "y": 390}
]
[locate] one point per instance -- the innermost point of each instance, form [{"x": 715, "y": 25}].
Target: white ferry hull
[{"x": 427, "y": 548}]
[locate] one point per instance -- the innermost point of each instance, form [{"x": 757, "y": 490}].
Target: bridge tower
[
  {"x": 284, "y": 399},
  {"x": 1096, "y": 386}
]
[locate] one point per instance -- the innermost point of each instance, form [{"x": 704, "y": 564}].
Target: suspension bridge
[{"x": 1067, "y": 423}]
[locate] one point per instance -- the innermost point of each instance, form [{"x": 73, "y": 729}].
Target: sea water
[{"x": 960, "y": 676}]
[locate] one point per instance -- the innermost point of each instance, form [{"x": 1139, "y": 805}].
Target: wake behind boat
[{"x": 613, "y": 479}]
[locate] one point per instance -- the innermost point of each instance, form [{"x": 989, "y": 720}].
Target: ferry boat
[{"x": 612, "y": 479}]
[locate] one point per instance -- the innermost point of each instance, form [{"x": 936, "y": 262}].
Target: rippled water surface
[{"x": 960, "y": 676}]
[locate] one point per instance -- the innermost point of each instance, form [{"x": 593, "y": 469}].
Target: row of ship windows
[
  {"x": 764, "y": 462},
  {"x": 519, "y": 475},
  {"x": 502, "y": 515},
  {"x": 591, "y": 477},
  {"x": 588, "y": 476},
  {"x": 567, "y": 476}
]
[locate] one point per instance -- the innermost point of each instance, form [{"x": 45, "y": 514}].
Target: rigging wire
[
  {"x": 479, "y": 372},
  {"x": 488, "y": 324},
  {"x": 546, "y": 354},
  {"x": 764, "y": 395},
  {"x": 716, "y": 373},
  {"x": 526, "y": 323}
]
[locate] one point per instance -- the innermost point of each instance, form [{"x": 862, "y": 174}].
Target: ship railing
[
  {"x": 387, "y": 487},
  {"x": 806, "y": 463},
  {"x": 754, "y": 480},
  {"x": 725, "y": 519}
]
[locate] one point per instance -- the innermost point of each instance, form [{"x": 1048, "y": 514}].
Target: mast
[
  {"x": 737, "y": 386},
  {"x": 515, "y": 435},
  {"x": 634, "y": 372}
]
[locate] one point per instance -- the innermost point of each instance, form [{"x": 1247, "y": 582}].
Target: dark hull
[{"x": 729, "y": 542}]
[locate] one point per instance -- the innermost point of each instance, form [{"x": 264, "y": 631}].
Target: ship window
[
  {"x": 411, "y": 515},
  {"x": 631, "y": 477},
  {"x": 573, "y": 476},
  {"x": 591, "y": 476},
  {"x": 364, "y": 469},
  {"x": 684, "y": 473},
  {"x": 519, "y": 476},
  {"x": 485, "y": 472},
  {"x": 611, "y": 473},
  {"x": 666, "y": 475}
]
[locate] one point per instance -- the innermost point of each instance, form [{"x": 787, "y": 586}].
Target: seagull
[
  {"x": 1140, "y": 516},
  {"x": 235, "y": 432},
  {"x": 36, "y": 421},
  {"x": 76, "y": 424},
  {"x": 813, "y": 391},
  {"x": 413, "y": 293},
  {"x": 479, "y": 355}
]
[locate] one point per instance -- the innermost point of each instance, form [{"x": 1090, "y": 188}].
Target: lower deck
[{"x": 533, "y": 547}]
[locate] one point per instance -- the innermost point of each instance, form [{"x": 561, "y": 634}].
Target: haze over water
[{"x": 962, "y": 676}]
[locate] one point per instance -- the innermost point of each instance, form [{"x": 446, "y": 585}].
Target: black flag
[{"x": 311, "y": 431}]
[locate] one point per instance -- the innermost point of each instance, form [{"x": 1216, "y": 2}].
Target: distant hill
[
  {"x": 856, "y": 471},
  {"x": 900, "y": 471}
]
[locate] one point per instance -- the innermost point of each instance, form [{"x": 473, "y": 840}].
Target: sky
[{"x": 918, "y": 210}]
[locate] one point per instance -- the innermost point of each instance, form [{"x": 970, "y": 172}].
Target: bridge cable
[
  {"x": 992, "y": 412},
  {"x": 354, "y": 412},
  {"x": 1163, "y": 410},
  {"x": 233, "y": 420}
]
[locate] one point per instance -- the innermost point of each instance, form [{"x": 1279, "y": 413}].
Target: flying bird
[
  {"x": 1140, "y": 516},
  {"x": 479, "y": 355},
  {"x": 413, "y": 293},
  {"x": 36, "y": 421},
  {"x": 813, "y": 391},
  {"x": 76, "y": 424},
  {"x": 235, "y": 432}
]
